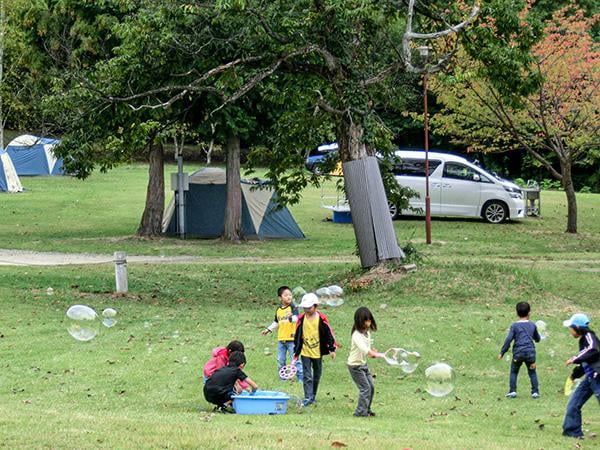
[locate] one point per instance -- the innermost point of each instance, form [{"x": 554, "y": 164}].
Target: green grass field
[{"x": 138, "y": 385}]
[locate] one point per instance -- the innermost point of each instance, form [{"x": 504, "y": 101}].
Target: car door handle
[
  {"x": 436, "y": 185},
  {"x": 445, "y": 185}
]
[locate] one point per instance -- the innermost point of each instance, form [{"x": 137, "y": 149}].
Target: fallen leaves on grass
[{"x": 338, "y": 444}]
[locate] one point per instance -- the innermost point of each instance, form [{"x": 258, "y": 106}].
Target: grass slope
[{"x": 137, "y": 385}]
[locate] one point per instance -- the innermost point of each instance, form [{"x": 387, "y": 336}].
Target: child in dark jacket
[
  {"x": 313, "y": 340},
  {"x": 221, "y": 386},
  {"x": 588, "y": 366},
  {"x": 523, "y": 333}
]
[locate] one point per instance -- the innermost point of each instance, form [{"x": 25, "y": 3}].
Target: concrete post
[{"x": 121, "y": 272}]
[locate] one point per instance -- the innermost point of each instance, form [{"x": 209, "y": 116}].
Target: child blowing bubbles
[
  {"x": 588, "y": 366},
  {"x": 360, "y": 349},
  {"x": 286, "y": 317}
]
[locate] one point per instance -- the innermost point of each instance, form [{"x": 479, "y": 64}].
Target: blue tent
[
  {"x": 9, "y": 180},
  {"x": 262, "y": 216},
  {"x": 33, "y": 155}
]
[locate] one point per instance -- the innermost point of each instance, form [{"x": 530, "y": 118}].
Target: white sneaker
[
  {"x": 535, "y": 395},
  {"x": 511, "y": 395}
]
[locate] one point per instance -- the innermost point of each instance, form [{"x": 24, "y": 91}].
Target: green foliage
[
  {"x": 550, "y": 184},
  {"x": 413, "y": 253}
]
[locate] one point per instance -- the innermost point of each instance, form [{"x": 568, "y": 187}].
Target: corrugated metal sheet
[{"x": 370, "y": 215}]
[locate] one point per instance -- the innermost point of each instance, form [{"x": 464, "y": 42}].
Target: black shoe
[
  {"x": 372, "y": 414},
  {"x": 226, "y": 409}
]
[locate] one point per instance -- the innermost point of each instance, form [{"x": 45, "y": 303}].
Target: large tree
[{"x": 557, "y": 121}]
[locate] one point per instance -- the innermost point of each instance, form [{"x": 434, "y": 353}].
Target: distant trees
[{"x": 556, "y": 119}]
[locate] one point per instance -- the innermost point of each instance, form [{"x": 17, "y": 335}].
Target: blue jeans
[
  {"x": 311, "y": 369},
  {"x": 283, "y": 348},
  {"x": 572, "y": 423},
  {"x": 515, "y": 365}
]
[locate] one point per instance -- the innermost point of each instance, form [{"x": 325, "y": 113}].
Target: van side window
[
  {"x": 415, "y": 167},
  {"x": 459, "y": 171}
]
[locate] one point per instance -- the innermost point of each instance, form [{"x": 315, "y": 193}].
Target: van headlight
[{"x": 514, "y": 192}]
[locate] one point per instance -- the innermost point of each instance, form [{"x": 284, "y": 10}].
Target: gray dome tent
[{"x": 262, "y": 216}]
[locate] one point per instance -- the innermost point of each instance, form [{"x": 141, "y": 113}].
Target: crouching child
[{"x": 221, "y": 386}]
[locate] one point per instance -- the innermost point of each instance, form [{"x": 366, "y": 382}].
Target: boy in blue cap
[
  {"x": 588, "y": 366},
  {"x": 524, "y": 333}
]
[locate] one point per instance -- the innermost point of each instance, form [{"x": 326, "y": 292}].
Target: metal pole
[
  {"x": 121, "y": 272},
  {"x": 427, "y": 197},
  {"x": 180, "y": 195}
]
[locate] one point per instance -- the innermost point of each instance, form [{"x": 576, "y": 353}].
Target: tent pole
[{"x": 180, "y": 194}]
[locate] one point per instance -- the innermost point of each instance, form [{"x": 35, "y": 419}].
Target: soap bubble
[
  {"x": 50, "y": 291},
  {"x": 440, "y": 379},
  {"x": 409, "y": 361},
  {"x": 267, "y": 351},
  {"x": 552, "y": 353},
  {"x": 297, "y": 293},
  {"x": 335, "y": 291},
  {"x": 542, "y": 329},
  {"x": 109, "y": 315},
  {"x": 406, "y": 360},
  {"x": 334, "y": 302},
  {"x": 507, "y": 357},
  {"x": 83, "y": 325},
  {"x": 323, "y": 292}
]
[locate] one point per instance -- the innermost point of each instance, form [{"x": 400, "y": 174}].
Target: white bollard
[{"x": 121, "y": 272}]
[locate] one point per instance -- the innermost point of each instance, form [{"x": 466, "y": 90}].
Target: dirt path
[{"x": 31, "y": 258}]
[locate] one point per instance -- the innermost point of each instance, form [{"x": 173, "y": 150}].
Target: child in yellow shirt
[
  {"x": 286, "y": 318},
  {"x": 314, "y": 339}
]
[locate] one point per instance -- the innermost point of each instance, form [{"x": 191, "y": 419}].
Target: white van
[{"x": 457, "y": 187}]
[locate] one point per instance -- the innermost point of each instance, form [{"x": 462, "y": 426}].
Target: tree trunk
[
  {"x": 371, "y": 220},
  {"x": 151, "y": 223},
  {"x": 232, "y": 230},
  {"x": 567, "y": 182}
]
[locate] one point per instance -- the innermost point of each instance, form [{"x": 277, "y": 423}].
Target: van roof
[{"x": 420, "y": 154}]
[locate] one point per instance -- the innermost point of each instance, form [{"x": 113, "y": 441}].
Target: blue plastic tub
[
  {"x": 261, "y": 402},
  {"x": 342, "y": 217}
]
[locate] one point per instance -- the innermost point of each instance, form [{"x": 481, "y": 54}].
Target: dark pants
[
  {"x": 515, "y": 365},
  {"x": 219, "y": 398},
  {"x": 587, "y": 388},
  {"x": 366, "y": 388},
  {"x": 311, "y": 373}
]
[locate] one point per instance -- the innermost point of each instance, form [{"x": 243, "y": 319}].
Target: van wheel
[
  {"x": 394, "y": 212},
  {"x": 495, "y": 212}
]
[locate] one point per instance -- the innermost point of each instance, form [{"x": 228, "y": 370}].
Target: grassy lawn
[{"x": 137, "y": 385}]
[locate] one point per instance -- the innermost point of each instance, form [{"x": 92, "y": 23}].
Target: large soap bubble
[
  {"x": 336, "y": 291},
  {"x": 408, "y": 361},
  {"x": 334, "y": 302},
  {"x": 542, "y": 328},
  {"x": 440, "y": 379},
  {"x": 109, "y": 317},
  {"x": 297, "y": 293},
  {"x": 83, "y": 323},
  {"x": 323, "y": 292}
]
